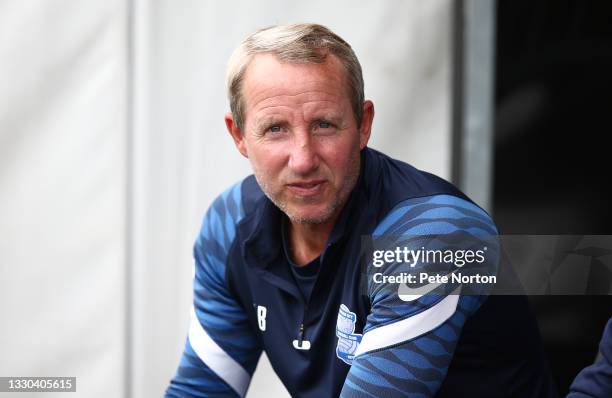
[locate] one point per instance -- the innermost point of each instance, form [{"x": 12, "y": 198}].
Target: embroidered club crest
[{"x": 348, "y": 341}]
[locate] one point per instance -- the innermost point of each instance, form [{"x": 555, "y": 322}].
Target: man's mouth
[{"x": 307, "y": 188}]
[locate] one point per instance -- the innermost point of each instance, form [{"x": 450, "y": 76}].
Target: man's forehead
[
  {"x": 267, "y": 75},
  {"x": 269, "y": 68}
]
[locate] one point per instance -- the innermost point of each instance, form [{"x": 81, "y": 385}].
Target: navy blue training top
[{"x": 350, "y": 338}]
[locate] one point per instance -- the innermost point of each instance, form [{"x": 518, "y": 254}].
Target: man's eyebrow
[
  {"x": 328, "y": 117},
  {"x": 267, "y": 122}
]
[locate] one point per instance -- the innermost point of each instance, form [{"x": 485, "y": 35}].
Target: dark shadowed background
[{"x": 553, "y": 107}]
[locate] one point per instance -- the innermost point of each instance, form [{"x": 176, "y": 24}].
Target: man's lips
[{"x": 307, "y": 188}]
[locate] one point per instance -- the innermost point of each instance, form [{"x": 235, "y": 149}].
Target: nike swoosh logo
[{"x": 406, "y": 293}]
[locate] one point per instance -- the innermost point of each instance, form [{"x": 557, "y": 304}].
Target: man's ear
[
  {"x": 236, "y": 134},
  {"x": 367, "y": 117}
]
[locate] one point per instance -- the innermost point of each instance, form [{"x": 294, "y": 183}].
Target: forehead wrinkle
[
  {"x": 294, "y": 99},
  {"x": 282, "y": 79},
  {"x": 328, "y": 78},
  {"x": 316, "y": 103}
]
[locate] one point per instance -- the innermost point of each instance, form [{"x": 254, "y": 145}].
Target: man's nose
[{"x": 304, "y": 158}]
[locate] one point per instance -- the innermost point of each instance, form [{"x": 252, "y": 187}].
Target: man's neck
[{"x": 308, "y": 240}]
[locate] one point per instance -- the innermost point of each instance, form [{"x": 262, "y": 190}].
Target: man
[
  {"x": 278, "y": 257},
  {"x": 595, "y": 381}
]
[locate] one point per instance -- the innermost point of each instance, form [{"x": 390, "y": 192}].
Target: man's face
[{"x": 300, "y": 135}]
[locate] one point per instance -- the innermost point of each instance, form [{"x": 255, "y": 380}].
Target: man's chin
[{"x": 310, "y": 217}]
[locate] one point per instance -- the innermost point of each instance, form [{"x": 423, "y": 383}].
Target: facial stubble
[{"x": 336, "y": 204}]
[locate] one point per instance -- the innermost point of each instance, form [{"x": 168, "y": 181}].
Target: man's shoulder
[
  {"x": 436, "y": 214},
  {"x": 239, "y": 199},
  {"x": 418, "y": 199},
  {"x": 229, "y": 208}
]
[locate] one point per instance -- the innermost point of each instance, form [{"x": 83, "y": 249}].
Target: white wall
[
  {"x": 62, "y": 192},
  {"x": 112, "y": 145}
]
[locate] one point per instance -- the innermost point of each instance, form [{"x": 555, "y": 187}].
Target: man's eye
[
  {"x": 275, "y": 129},
  {"x": 324, "y": 125}
]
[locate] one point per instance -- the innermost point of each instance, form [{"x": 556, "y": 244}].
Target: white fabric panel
[
  {"x": 168, "y": 71},
  {"x": 62, "y": 193},
  {"x": 216, "y": 359},
  {"x": 184, "y": 157},
  {"x": 409, "y": 328}
]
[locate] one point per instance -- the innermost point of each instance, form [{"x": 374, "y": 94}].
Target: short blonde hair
[{"x": 302, "y": 43}]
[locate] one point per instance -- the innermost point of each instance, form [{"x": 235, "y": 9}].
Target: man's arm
[
  {"x": 408, "y": 346},
  {"x": 221, "y": 351},
  {"x": 596, "y": 380}
]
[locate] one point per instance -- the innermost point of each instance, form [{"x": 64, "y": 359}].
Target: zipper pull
[{"x": 300, "y": 343}]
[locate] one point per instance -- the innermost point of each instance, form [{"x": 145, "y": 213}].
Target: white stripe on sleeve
[
  {"x": 216, "y": 359},
  {"x": 409, "y": 328}
]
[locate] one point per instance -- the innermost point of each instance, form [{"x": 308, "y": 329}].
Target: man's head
[
  {"x": 299, "y": 44},
  {"x": 299, "y": 116}
]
